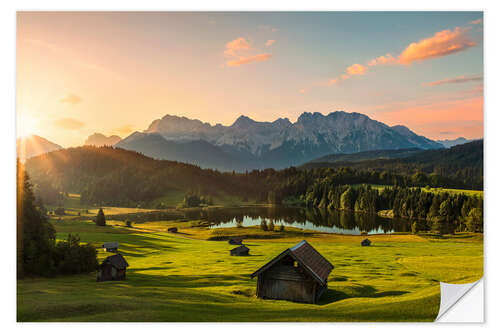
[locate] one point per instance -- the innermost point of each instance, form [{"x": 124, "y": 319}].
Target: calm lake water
[{"x": 340, "y": 222}]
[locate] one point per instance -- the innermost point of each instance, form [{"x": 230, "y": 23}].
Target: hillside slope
[
  {"x": 34, "y": 145},
  {"x": 459, "y": 162}
]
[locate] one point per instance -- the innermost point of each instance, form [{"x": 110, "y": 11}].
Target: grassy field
[
  {"x": 432, "y": 189},
  {"x": 184, "y": 277}
]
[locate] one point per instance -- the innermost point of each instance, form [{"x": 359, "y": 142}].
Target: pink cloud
[
  {"x": 356, "y": 69},
  {"x": 443, "y": 43},
  {"x": 236, "y": 44},
  {"x": 382, "y": 60},
  {"x": 240, "y": 52},
  {"x": 247, "y": 60},
  {"x": 478, "y": 21},
  {"x": 458, "y": 79}
]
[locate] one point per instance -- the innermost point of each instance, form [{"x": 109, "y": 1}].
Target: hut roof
[
  {"x": 117, "y": 260},
  {"x": 110, "y": 245},
  {"x": 311, "y": 259}
]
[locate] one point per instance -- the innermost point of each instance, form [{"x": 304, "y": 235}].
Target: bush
[
  {"x": 282, "y": 227},
  {"x": 128, "y": 224},
  {"x": 414, "y": 228},
  {"x": 70, "y": 257}
]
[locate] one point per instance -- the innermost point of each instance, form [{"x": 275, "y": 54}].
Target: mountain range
[
  {"x": 451, "y": 143},
  {"x": 34, "y": 145},
  {"x": 99, "y": 140},
  {"x": 249, "y": 144}
]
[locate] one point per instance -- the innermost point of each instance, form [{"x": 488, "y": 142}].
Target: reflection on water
[{"x": 333, "y": 221}]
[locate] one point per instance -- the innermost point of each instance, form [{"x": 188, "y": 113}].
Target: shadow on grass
[
  {"x": 184, "y": 281},
  {"x": 362, "y": 291}
]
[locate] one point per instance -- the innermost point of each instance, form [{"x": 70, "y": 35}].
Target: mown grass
[{"x": 174, "y": 277}]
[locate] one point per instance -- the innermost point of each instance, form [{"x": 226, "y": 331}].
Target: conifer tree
[{"x": 100, "y": 218}]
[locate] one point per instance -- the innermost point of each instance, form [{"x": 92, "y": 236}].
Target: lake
[{"x": 324, "y": 220}]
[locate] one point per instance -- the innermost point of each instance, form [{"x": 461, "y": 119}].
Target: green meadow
[{"x": 185, "y": 277}]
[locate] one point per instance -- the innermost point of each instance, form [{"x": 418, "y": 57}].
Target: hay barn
[
  {"x": 240, "y": 251},
  {"x": 112, "y": 268},
  {"x": 298, "y": 274},
  {"x": 366, "y": 242},
  {"x": 111, "y": 246}
]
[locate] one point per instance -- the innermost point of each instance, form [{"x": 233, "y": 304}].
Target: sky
[{"x": 79, "y": 73}]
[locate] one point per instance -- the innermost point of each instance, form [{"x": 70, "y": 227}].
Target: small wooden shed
[
  {"x": 172, "y": 230},
  {"x": 298, "y": 274},
  {"x": 236, "y": 241},
  {"x": 111, "y": 246},
  {"x": 112, "y": 268},
  {"x": 240, "y": 251},
  {"x": 366, "y": 242}
]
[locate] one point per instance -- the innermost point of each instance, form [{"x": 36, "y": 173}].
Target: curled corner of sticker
[{"x": 451, "y": 294}]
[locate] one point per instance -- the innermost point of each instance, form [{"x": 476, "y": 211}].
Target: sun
[{"x": 26, "y": 125}]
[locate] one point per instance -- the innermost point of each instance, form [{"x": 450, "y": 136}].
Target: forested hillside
[
  {"x": 462, "y": 164},
  {"x": 114, "y": 176}
]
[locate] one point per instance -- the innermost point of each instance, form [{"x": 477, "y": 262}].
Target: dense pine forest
[{"x": 461, "y": 165}]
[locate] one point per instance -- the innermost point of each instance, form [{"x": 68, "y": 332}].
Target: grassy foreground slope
[{"x": 174, "y": 278}]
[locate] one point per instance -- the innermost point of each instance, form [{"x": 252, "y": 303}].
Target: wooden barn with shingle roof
[
  {"x": 298, "y": 274},
  {"x": 112, "y": 268}
]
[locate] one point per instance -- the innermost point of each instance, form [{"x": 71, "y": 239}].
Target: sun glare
[{"x": 26, "y": 125}]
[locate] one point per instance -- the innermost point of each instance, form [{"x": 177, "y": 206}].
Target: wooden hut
[
  {"x": 240, "y": 251},
  {"x": 366, "y": 242},
  {"x": 298, "y": 274},
  {"x": 236, "y": 241},
  {"x": 112, "y": 268},
  {"x": 111, "y": 246},
  {"x": 172, "y": 230}
]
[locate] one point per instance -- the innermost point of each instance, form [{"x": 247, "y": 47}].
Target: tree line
[
  {"x": 442, "y": 212},
  {"x": 38, "y": 252}
]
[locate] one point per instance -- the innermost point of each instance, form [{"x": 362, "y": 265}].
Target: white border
[{"x": 7, "y": 132}]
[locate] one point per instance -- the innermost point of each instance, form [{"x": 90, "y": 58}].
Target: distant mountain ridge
[
  {"x": 34, "y": 145},
  {"x": 99, "y": 140},
  {"x": 451, "y": 143},
  {"x": 249, "y": 144}
]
